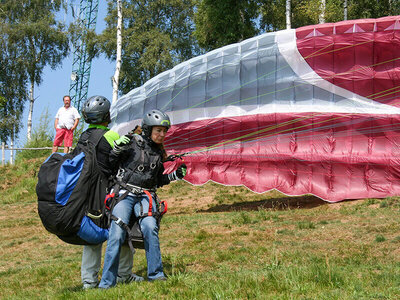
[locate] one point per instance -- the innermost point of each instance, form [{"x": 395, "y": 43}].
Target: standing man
[
  {"x": 67, "y": 119},
  {"x": 96, "y": 112}
]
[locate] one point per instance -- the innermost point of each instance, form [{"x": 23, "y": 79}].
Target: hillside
[{"x": 217, "y": 242}]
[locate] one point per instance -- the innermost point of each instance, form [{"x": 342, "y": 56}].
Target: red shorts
[{"x": 63, "y": 134}]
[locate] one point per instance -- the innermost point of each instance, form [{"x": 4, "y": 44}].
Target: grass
[{"x": 238, "y": 246}]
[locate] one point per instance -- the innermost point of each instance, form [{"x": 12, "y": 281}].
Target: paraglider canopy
[{"x": 308, "y": 111}]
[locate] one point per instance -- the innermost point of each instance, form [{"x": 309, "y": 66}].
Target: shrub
[{"x": 41, "y": 137}]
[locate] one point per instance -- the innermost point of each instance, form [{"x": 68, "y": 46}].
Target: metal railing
[{"x": 5, "y": 147}]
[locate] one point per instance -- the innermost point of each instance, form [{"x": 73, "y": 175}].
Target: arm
[
  {"x": 75, "y": 124},
  {"x": 178, "y": 174},
  {"x": 119, "y": 151},
  {"x": 162, "y": 179},
  {"x": 55, "y": 124}
]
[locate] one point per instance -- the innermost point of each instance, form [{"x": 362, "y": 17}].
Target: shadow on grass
[
  {"x": 281, "y": 203},
  {"x": 72, "y": 289}
]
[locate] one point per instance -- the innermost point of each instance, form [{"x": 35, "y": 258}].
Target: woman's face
[{"x": 158, "y": 134}]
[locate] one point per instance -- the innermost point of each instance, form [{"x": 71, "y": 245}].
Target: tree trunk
[
  {"x": 31, "y": 100},
  {"x": 12, "y": 147},
  {"x": 3, "y": 154},
  {"x": 288, "y": 12},
  {"x": 119, "y": 53},
  {"x": 345, "y": 10},
  {"x": 322, "y": 12}
]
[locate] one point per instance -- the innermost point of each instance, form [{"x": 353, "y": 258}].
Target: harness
[
  {"x": 143, "y": 165},
  {"x": 134, "y": 233}
]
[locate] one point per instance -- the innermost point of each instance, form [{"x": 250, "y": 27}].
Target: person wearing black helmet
[
  {"x": 96, "y": 112},
  {"x": 140, "y": 173}
]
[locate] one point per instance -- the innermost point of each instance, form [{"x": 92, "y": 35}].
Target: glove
[
  {"x": 123, "y": 140},
  {"x": 178, "y": 174},
  {"x": 181, "y": 171}
]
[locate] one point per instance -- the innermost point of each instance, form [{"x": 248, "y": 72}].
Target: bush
[{"x": 42, "y": 136}]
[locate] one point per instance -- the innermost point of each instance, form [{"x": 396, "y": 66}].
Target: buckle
[{"x": 119, "y": 222}]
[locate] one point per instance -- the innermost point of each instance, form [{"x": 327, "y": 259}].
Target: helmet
[
  {"x": 152, "y": 118},
  {"x": 96, "y": 110}
]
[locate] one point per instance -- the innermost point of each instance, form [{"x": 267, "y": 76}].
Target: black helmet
[
  {"x": 96, "y": 110},
  {"x": 152, "y": 118}
]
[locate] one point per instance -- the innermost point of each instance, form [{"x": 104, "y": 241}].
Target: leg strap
[{"x": 124, "y": 226}]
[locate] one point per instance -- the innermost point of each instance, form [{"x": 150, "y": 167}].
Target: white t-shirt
[{"x": 67, "y": 116}]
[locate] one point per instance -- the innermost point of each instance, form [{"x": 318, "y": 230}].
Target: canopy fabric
[{"x": 314, "y": 110}]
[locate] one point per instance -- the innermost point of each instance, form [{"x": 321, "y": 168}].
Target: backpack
[{"x": 70, "y": 192}]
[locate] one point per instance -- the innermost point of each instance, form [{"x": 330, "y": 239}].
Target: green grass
[{"x": 249, "y": 246}]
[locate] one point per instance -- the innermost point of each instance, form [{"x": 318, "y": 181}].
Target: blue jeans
[{"x": 148, "y": 225}]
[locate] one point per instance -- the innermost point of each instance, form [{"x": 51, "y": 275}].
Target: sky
[{"x": 56, "y": 83}]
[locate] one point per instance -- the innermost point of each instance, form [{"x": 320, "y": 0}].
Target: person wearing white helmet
[
  {"x": 140, "y": 174},
  {"x": 96, "y": 112}
]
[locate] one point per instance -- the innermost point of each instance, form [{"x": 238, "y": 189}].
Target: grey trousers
[{"x": 91, "y": 263}]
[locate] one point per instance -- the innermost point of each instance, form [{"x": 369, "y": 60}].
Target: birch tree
[
  {"x": 288, "y": 17},
  {"x": 115, "y": 79},
  {"x": 156, "y": 35}
]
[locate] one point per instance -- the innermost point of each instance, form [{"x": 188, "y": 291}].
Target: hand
[
  {"x": 178, "y": 174},
  {"x": 123, "y": 140},
  {"x": 181, "y": 171}
]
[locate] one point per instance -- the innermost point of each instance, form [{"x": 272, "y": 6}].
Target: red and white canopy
[{"x": 314, "y": 110}]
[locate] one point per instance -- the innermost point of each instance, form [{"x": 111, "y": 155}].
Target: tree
[
  {"x": 308, "y": 12},
  {"x": 372, "y": 8},
  {"x": 156, "y": 35},
  {"x": 223, "y": 22},
  {"x": 40, "y": 38},
  {"x": 13, "y": 83},
  {"x": 115, "y": 79},
  {"x": 303, "y": 12},
  {"x": 288, "y": 14}
]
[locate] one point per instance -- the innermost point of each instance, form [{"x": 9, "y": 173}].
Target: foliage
[
  {"x": 42, "y": 137},
  {"x": 12, "y": 84},
  {"x": 219, "y": 23},
  {"x": 306, "y": 12},
  {"x": 82, "y": 126},
  {"x": 156, "y": 35},
  {"x": 31, "y": 28},
  {"x": 373, "y": 8}
]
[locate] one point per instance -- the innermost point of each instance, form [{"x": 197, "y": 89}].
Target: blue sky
[{"x": 56, "y": 83}]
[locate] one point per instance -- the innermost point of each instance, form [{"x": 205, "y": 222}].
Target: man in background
[{"x": 67, "y": 119}]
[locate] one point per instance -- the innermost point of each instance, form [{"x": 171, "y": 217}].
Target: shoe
[
  {"x": 87, "y": 286},
  {"x": 131, "y": 278},
  {"x": 162, "y": 278}
]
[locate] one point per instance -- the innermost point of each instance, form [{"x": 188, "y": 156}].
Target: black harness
[
  {"x": 141, "y": 169},
  {"x": 143, "y": 166}
]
